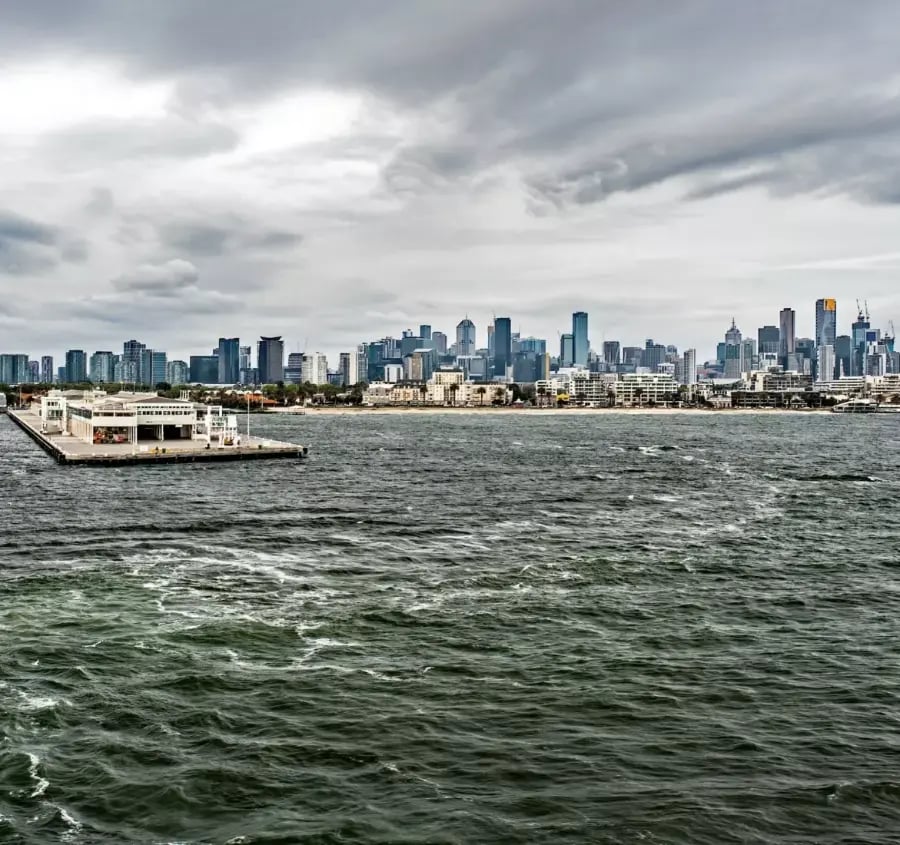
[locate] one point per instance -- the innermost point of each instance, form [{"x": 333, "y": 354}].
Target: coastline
[{"x": 487, "y": 410}]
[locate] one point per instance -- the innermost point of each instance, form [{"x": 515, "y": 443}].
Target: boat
[{"x": 857, "y": 406}]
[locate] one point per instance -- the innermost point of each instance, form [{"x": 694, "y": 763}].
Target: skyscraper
[
  {"x": 34, "y": 372},
  {"x": 580, "y": 343},
  {"x": 825, "y": 362},
  {"x": 733, "y": 352},
  {"x": 858, "y": 332},
  {"x": 229, "y": 360},
  {"x": 787, "y": 334},
  {"x": 826, "y": 322},
  {"x": 204, "y": 369},
  {"x": 502, "y": 345},
  {"x": 611, "y": 352},
  {"x": 133, "y": 362},
  {"x": 47, "y": 369},
  {"x": 177, "y": 372},
  {"x": 270, "y": 360},
  {"x": 153, "y": 368},
  {"x": 13, "y": 369},
  {"x": 439, "y": 339},
  {"x": 769, "y": 338},
  {"x": 566, "y": 350},
  {"x": 843, "y": 355},
  {"x": 76, "y": 365},
  {"x": 689, "y": 367},
  {"x": 101, "y": 370},
  {"x": 425, "y": 332}
]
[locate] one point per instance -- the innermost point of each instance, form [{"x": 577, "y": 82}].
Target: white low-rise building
[
  {"x": 637, "y": 389},
  {"x": 98, "y": 418}
]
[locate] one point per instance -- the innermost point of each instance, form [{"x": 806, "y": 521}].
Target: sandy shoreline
[{"x": 416, "y": 410}]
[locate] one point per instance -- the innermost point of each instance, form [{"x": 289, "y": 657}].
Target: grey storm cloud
[{"x": 488, "y": 153}]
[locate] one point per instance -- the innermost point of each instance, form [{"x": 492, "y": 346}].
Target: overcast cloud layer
[{"x": 335, "y": 172}]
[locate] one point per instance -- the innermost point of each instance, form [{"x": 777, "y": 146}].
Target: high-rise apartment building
[
  {"x": 859, "y": 330},
  {"x": 315, "y": 369},
  {"x": 293, "y": 370},
  {"x": 102, "y": 367},
  {"x": 843, "y": 355},
  {"x": 654, "y": 355},
  {"x": 825, "y": 362},
  {"x": 153, "y": 367},
  {"x": 270, "y": 360},
  {"x": 76, "y": 365},
  {"x": 13, "y": 369},
  {"x": 580, "y": 344},
  {"x": 133, "y": 362},
  {"x": 177, "y": 372},
  {"x": 34, "y": 372},
  {"x": 826, "y": 322},
  {"x": 787, "y": 334},
  {"x": 689, "y": 367},
  {"x": 229, "y": 360},
  {"x": 47, "y": 369},
  {"x": 611, "y": 352},
  {"x": 502, "y": 345}
]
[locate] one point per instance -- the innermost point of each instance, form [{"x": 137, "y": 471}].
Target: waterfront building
[
  {"x": 102, "y": 368},
  {"x": 270, "y": 360},
  {"x": 566, "y": 350},
  {"x": 76, "y": 365},
  {"x": 826, "y": 322},
  {"x": 769, "y": 340},
  {"x": 229, "y": 360},
  {"x": 637, "y": 389},
  {"x": 591, "y": 389},
  {"x": 204, "y": 369},
  {"x": 787, "y": 334},
  {"x": 502, "y": 346},
  {"x": 580, "y": 343},
  {"x": 689, "y": 367},
  {"x": 177, "y": 372},
  {"x": 46, "y": 369}
]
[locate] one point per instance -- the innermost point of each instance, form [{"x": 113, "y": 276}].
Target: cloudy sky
[{"x": 335, "y": 172}]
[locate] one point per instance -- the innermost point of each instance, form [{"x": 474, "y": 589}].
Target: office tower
[
  {"x": 525, "y": 367},
  {"x": 270, "y": 360},
  {"x": 826, "y": 322},
  {"x": 632, "y": 356},
  {"x": 177, "y": 372},
  {"x": 293, "y": 370},
  {"x": 580, "y": 343},
  {"x": 843, "y": 355},
  {"x": 566, "y": 350},
  {"x": 60, "y": 375},
  {"x": 611, "y": 351},
  {"x": 787, "y": 334},
  {"x": 229, "y": 360},
  {"x": 502, "y": 346},
  {"x": 204, "y": 369},
  {"x": 825, "y": 363},
  {"x": 749, "y": 357},
  {"x": 733, "y": 351},
  {"x": 425, "y": 332},
  {"x": 47, "y": 369},
  {"x": 535, "y": 345},
  {"x": 344, "y": 367},
  {"x": 153, "y": 367},
  {"x": 133, "y": 362},
  {"x": 720, "y": 353},
  {"x": 769, "y": 340},
  {"x": 439, "y": 339},
  {"x": 76, "y": 365},
  {"x": 858, "y": 332},
  {"x": 654, "y": 355},
  {"x": 102, "y": 367},
  {"x": 34, "y": 372},
  {"x": 689, "y": 367},
  {"x": 490, "y": 346}
]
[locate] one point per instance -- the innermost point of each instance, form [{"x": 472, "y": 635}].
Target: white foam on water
[
  {"x": 36, "y": 703},
  {"x": 40, "y": 783}
]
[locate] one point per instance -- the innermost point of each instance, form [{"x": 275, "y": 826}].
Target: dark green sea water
[{"x": 460, "y": 629}]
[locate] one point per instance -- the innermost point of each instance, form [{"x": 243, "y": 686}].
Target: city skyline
[{"x": 307, "y": 184}]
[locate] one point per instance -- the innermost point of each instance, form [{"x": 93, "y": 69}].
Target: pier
[{"x": 67, "y": 449}]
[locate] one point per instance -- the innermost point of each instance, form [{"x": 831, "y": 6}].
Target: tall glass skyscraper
[
  {"x": 229, "y": 360},
  {"x": 787, "y": 333},
  {"x": 76, "y": 365},
  {"x": 580, "y": 343},
  {"x": 270, "y": 360},
  {"x": 47, "y": 369},
  {"x": 502, "y": 345},
  {"x": 826, "y": 322}
]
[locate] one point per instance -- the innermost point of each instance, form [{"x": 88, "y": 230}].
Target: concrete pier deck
[{"x": 65, "y": 449}]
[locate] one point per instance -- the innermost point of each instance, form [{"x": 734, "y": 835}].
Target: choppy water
[{"x": 458, "y": 629}]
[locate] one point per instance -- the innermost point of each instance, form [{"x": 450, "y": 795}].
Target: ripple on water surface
[{"x": 460, "y": 628}]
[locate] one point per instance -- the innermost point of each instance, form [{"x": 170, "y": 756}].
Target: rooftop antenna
[{"x": 866, "y": 301}]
